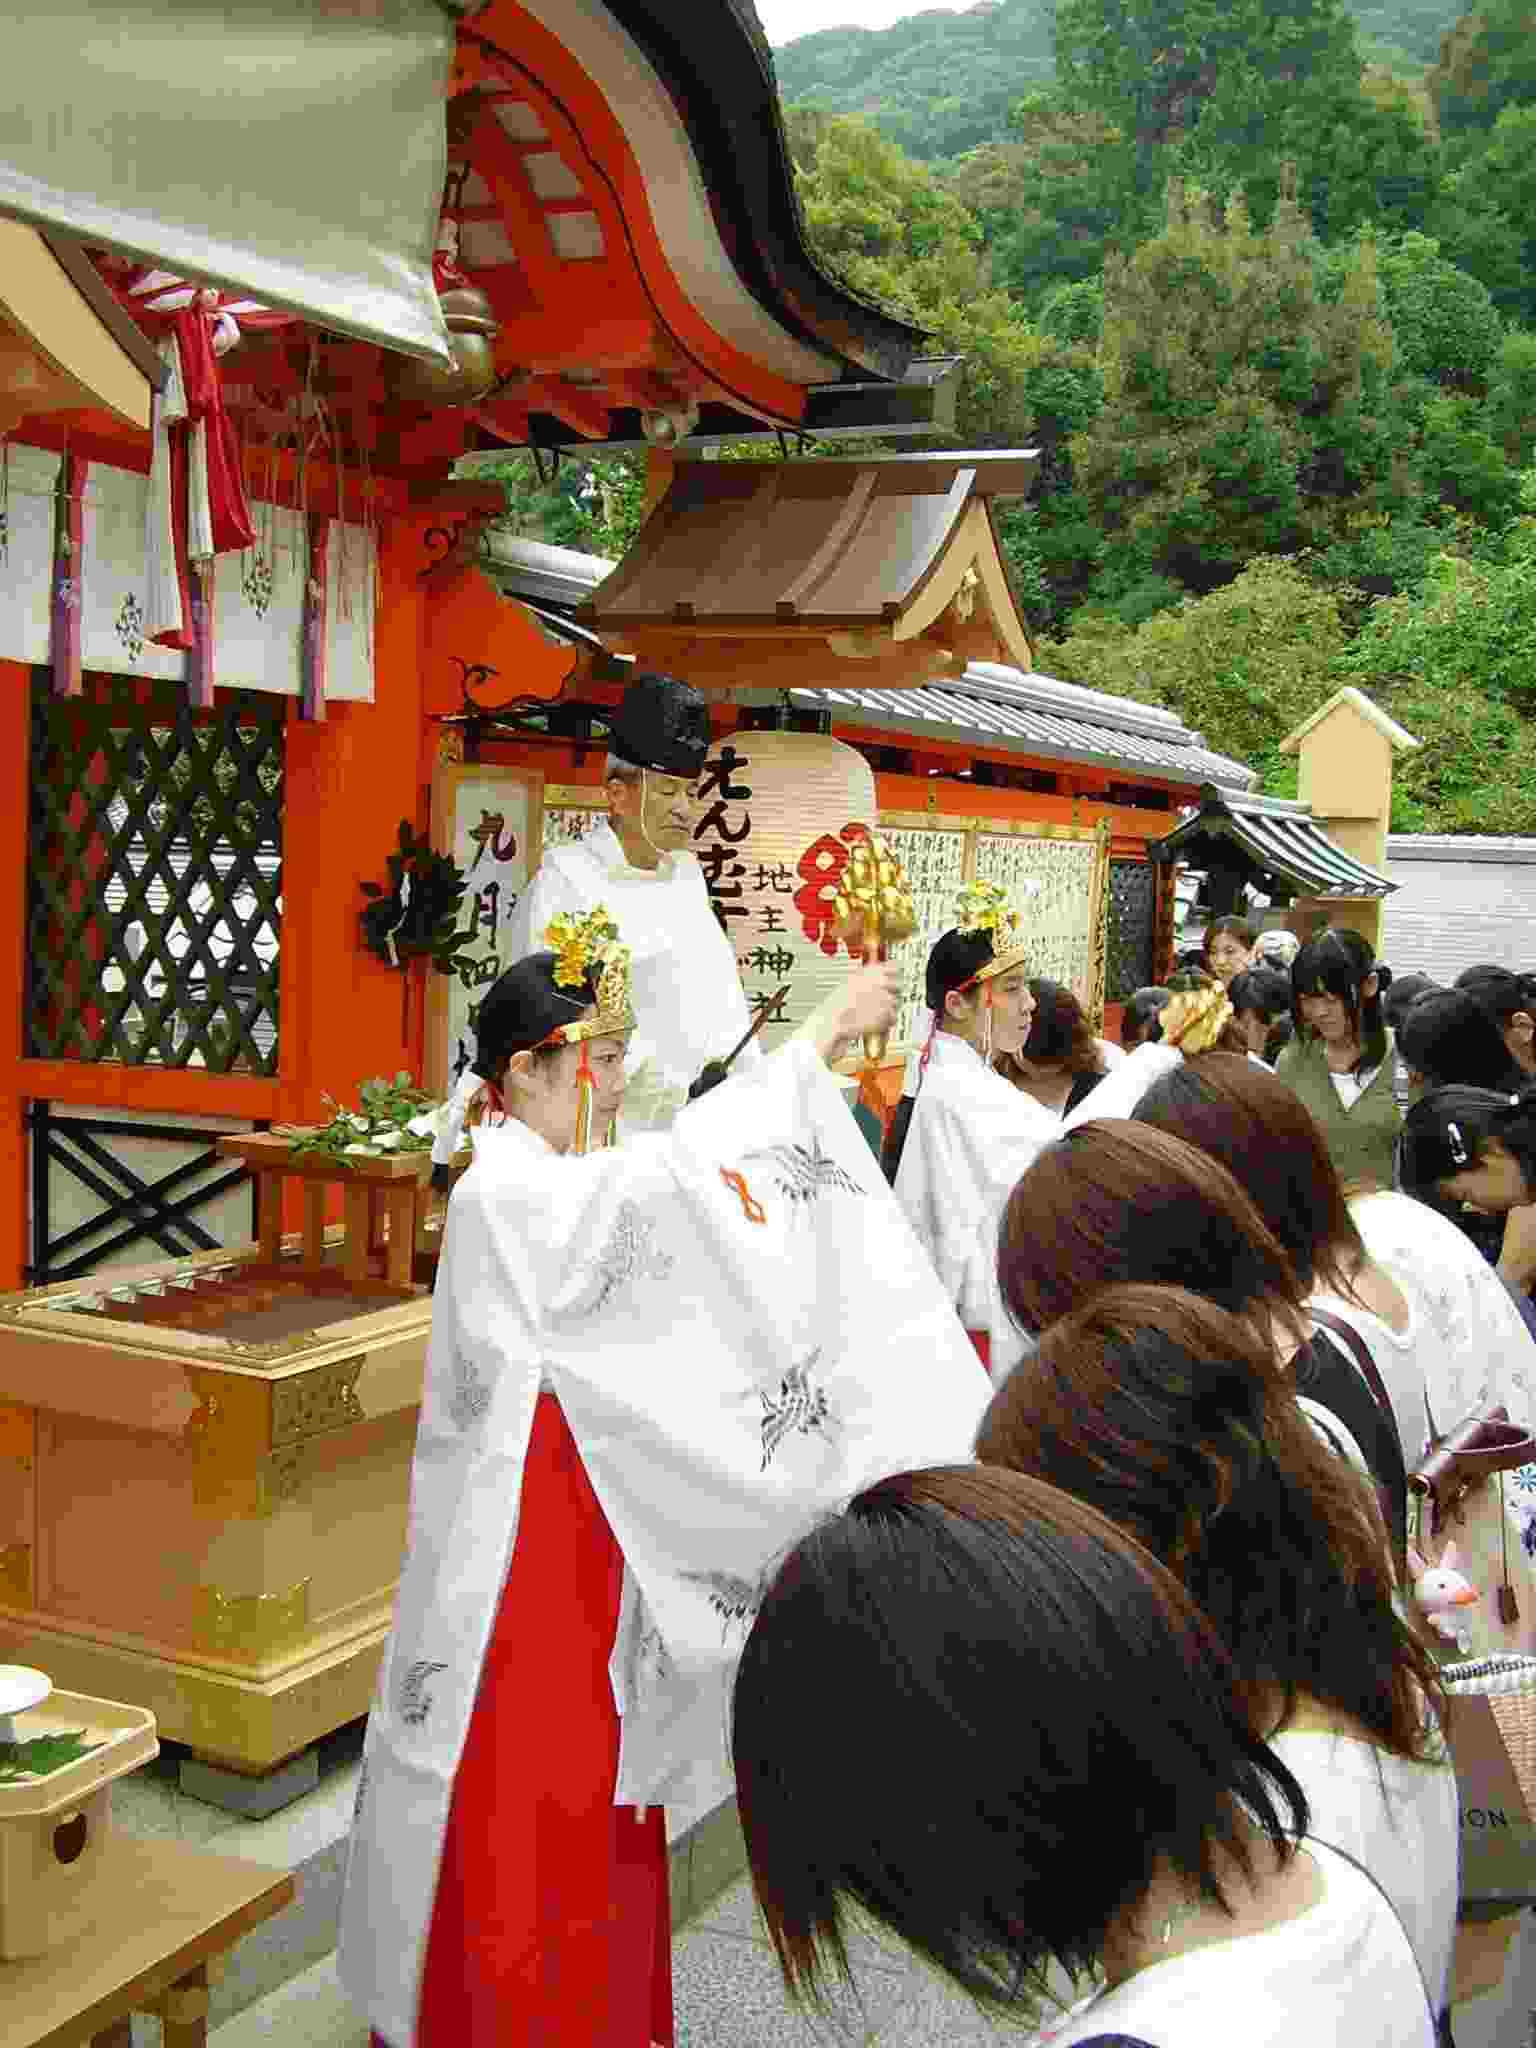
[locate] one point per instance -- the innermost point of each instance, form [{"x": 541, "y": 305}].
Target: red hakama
[
  {"x": 552, "y": 1926},
  {"x": 983, "y": 1344}
]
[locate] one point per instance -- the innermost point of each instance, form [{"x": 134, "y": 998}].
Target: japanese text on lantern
[{"x": 743, "y": 893}]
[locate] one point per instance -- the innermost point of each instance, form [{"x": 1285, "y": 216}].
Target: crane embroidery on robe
[
  {"x": 630, "y": 1254},
  {"x": 803, "y": 1173},
  {"x": 414, "y": 1699},
  {"x": 734, "y": 1598},
  {"x": 471, "y": 1397},
  {"x": 800, "y": 1406}
]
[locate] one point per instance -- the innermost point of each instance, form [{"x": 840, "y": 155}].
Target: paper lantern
[{"x": 769, "y": 841}]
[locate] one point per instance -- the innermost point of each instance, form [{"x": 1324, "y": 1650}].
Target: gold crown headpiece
[
  {"x": 985, "y": 907},
  {"x": 582, "y": 945}
]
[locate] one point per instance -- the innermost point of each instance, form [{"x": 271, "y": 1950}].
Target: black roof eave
[
  {"x": 1295, "y": 851},
  {"x": 714, "y": 59}
]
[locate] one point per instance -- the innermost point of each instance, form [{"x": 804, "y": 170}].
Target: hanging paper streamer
[
  {"x": 68, "y": 679},
  {"x": 201, "y": 588},
  {"x": 314, "y": 657}
]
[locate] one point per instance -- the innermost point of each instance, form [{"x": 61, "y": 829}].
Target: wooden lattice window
[
  {"x": 1132, "y": 928},
  {"x": 154, "y": 877}
]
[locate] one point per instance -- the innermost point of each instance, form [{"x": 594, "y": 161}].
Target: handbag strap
[{"x": 1360, "y": 1352}]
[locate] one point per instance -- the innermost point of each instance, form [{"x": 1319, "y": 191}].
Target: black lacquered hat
[{"x": 662, "y": 724}]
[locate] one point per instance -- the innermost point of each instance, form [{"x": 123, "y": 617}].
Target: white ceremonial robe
[
  {"x": 741, "y": 1334},
  {"x": 685, "y": 987},
  {"x": 971, "y": 1138}
]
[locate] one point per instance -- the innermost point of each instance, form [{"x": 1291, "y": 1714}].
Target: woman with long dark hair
[
  {"x": 1175, "y": 1419},
  {"x": 1434, "y": 1318},
  {"x": 1117, "y": 1203},
  {"x": 1341, "y": 1060},
  {"x": 1082, "y": 1783}
]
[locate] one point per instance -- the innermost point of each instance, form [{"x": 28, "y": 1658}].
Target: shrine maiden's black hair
[
  {"x": 1449, "y": 1130},
  {"x": 1138, "y": 1020},
  {"x": 1067, "y": 1715},
  {"x": 1338, "y": 962},
  {"x": 521, "y": 1009},
  {"x": 1451, "y": 1038},
  {"x": 955, "y": 959}
]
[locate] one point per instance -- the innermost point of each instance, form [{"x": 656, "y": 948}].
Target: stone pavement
[{"x": 727, "y": 1991}]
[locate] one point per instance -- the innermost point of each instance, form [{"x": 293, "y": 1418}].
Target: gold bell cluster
[{"x": 874, "y": 903}]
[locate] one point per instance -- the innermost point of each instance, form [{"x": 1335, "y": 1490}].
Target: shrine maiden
[
  {"x": 963, "y": 1135},
  {"x": 687, "y": 994},
  {"x": 651, "y": 1368}
]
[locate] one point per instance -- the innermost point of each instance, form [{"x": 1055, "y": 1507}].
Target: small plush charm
[{"x": 1439, "y": 1590}]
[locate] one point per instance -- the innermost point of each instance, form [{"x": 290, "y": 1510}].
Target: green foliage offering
[
  {"x": 377, "y": 1128},
  {"x": 416, "y": 916},
  {"x": 42, "y": 1754}
]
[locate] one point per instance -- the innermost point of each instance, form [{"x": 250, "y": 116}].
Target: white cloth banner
[
  {"x": 742, "y": 1333},
  {"x": 259, "y": 594},
  {"x": 26, "y": 560},
  {"x": 350, "y": 608}
]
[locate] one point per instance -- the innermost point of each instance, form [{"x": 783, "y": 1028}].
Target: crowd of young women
[
  {"x": 1236, "y": 1329},
  {"x": 1137, "y": 1692}
]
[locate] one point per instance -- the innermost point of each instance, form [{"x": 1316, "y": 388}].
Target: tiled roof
[
  {"x": 1459, "y": 846},
  {"x": 992, "y": 706},
  {"x": 1277, "y": 841},
  {"x": 1004, "y": 710}
]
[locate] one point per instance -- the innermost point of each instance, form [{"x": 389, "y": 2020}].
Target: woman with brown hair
[
  {"x": 1081, "y": 1784},
  {"x": 1434, "y": 1317},
  {"x": 1176, "y": 1419},
  {"x": 1115, "y": 1203},
  {"x": 1061, "y": 1061}
]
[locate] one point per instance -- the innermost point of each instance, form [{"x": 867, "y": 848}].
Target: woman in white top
[
  {"x": 1175, "y": 1419},
  {"x": 1092, "y": 1796}
]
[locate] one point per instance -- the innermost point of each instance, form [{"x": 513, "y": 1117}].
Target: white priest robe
[
  {"x": 971, "y": 1137},
  {"x": 685, "y": 987},
  {"x": 741, "y": 1332}
]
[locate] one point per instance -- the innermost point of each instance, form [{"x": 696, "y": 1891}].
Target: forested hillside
[
  {"x": 939, "y": 83},
  {"x": 1270, "y": 316}
]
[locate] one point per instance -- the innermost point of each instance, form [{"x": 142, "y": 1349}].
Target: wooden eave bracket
[
  {"x": 57, "y": 350},
  {"x": 889, "y": 565}
]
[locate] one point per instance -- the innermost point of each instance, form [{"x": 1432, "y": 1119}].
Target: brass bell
[{"x": 472, "y": 329}]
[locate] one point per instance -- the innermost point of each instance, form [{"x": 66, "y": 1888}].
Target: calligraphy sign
[{"x": 489, "y": 820}]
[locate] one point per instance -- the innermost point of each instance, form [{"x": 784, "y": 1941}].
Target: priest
[{"x": 686, "y": 989}]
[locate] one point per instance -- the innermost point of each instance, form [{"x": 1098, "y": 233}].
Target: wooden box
[
  {"x": 54, "y": 1830},
  {"x": 204, "y": 1478}
]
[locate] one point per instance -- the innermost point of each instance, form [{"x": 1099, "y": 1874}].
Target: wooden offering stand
[{"x": 384, "y": 1199}]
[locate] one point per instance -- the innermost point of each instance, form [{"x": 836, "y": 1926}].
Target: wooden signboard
[
  {"x": 1063, "y": 923},
  {"x": 490, "y": 820}
]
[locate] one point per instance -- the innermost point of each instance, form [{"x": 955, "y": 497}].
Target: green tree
[
  {"x": 1444, "y": 322},
  {"x": 1511, "y": 408},
  {"x": 1242, "y": 665},
  {"x": 1487, "y": 62},
  {"x": 1238, "y": 416},
  {"x": 1486, "y": 221}
]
